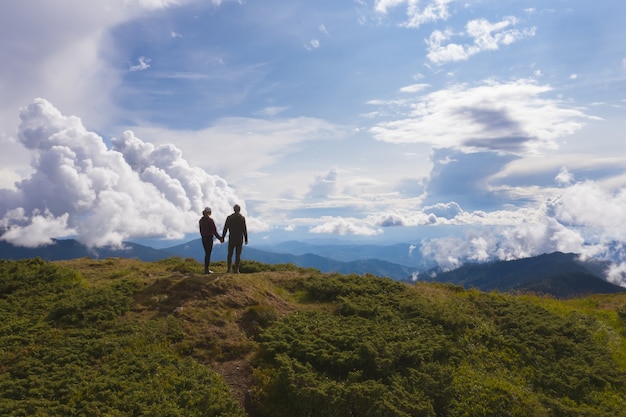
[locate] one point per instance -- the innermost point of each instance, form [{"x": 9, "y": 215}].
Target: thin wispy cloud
[
  {"x": 143, "y": 64},
  {"x": 313, "y": 44},
  {"x": 414, "y": 88}
]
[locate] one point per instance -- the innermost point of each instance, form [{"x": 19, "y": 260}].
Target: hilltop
[{"x": 125, "y": 337}]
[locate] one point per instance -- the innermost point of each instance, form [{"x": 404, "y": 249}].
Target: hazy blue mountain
[
  {"x": 63, "y": 249},
  {"x": 558, "y": 274},
  {"x": 71, "y": 249},
  {"x": 402, "y": 253},
  {"x": 193, "y": 249}
]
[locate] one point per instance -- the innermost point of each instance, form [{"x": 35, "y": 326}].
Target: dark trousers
[
  {"x": 207, "y": 243},
  {"x": 234, "y": 247}
]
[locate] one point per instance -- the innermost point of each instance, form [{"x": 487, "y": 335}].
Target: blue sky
[{"x": 485, "y": 129}]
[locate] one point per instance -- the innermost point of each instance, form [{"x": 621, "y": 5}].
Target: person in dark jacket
[
  {"x": 207, "y": 231},
  {"x": 236, "y": 225}
]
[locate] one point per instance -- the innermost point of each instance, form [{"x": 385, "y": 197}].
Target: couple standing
[{"x": 238, "y": 235}]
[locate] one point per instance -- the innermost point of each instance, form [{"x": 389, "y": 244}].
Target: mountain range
[{"x": 556, "y": 274}]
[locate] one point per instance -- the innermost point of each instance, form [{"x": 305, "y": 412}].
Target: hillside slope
[{"x": 123, "y": 337}]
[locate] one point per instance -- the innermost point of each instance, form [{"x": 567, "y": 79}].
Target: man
[
  {"x": 236, "y": 224},
  {"x": 207, "y": 231}
]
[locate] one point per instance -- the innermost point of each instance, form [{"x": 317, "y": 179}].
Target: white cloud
[
  {"x": 381, "y": 6},
  {"x": 529, "y": 238},
  {"x": 104, "y": 196},
  {"x": 452, "y": 214},
  {"x": 589, "y": 205},
  {"x": 438, "y": 52},
  {"x": 344, "y": 226},
  {"x": 414, "y": 88},
  {"x": 389, "y": 219},
  {"x": 143, "y": 63},
  {"x": 433, "y": 11},
  {"x": 35, "y": 231},
  {"x": 508, "y": 117},
  {"x": 564, "y": 177},
  {"x": 445, "y": 210},
  {"x": 617, "y": 274},
  {"x": 313, "y": 44},
  {"x": 586, "y": 218},
  {"x": 486, "y": 36}
]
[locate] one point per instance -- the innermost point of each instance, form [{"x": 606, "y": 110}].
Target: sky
[{"x": 479, "y": 130}]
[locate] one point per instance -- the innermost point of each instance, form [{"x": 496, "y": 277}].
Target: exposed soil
[{"x": 238, "y": 376}]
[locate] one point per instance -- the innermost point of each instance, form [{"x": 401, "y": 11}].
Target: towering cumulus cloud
[{"x": 101, "y": 196}]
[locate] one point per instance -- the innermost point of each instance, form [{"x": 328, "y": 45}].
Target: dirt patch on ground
[{"x": 238, "y": 376}]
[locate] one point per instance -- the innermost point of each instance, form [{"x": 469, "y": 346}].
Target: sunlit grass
[{"x": 318, "y": 338}]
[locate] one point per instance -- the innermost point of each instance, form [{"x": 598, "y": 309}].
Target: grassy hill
[{"x": 121, "y": 337}]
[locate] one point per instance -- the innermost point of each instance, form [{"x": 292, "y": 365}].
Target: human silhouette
[
  {"x": 238, "y": 235},
  {"x": 207, "y": 231}
]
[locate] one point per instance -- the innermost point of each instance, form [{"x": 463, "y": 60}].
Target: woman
[{"x": 207, "y": 231}]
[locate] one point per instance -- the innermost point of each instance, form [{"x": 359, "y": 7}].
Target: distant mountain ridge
[
  {"x": 64, "y": 249},
  {"x": 557, "y": 274},
  {"x": 193, "y": 249},
  {"x": 400, "y": 253}
]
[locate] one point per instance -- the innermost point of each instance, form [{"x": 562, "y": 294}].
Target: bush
[{"x": 386, "y": 349}]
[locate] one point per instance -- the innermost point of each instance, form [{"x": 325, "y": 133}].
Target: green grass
[{"x": 120, "y": 337}]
